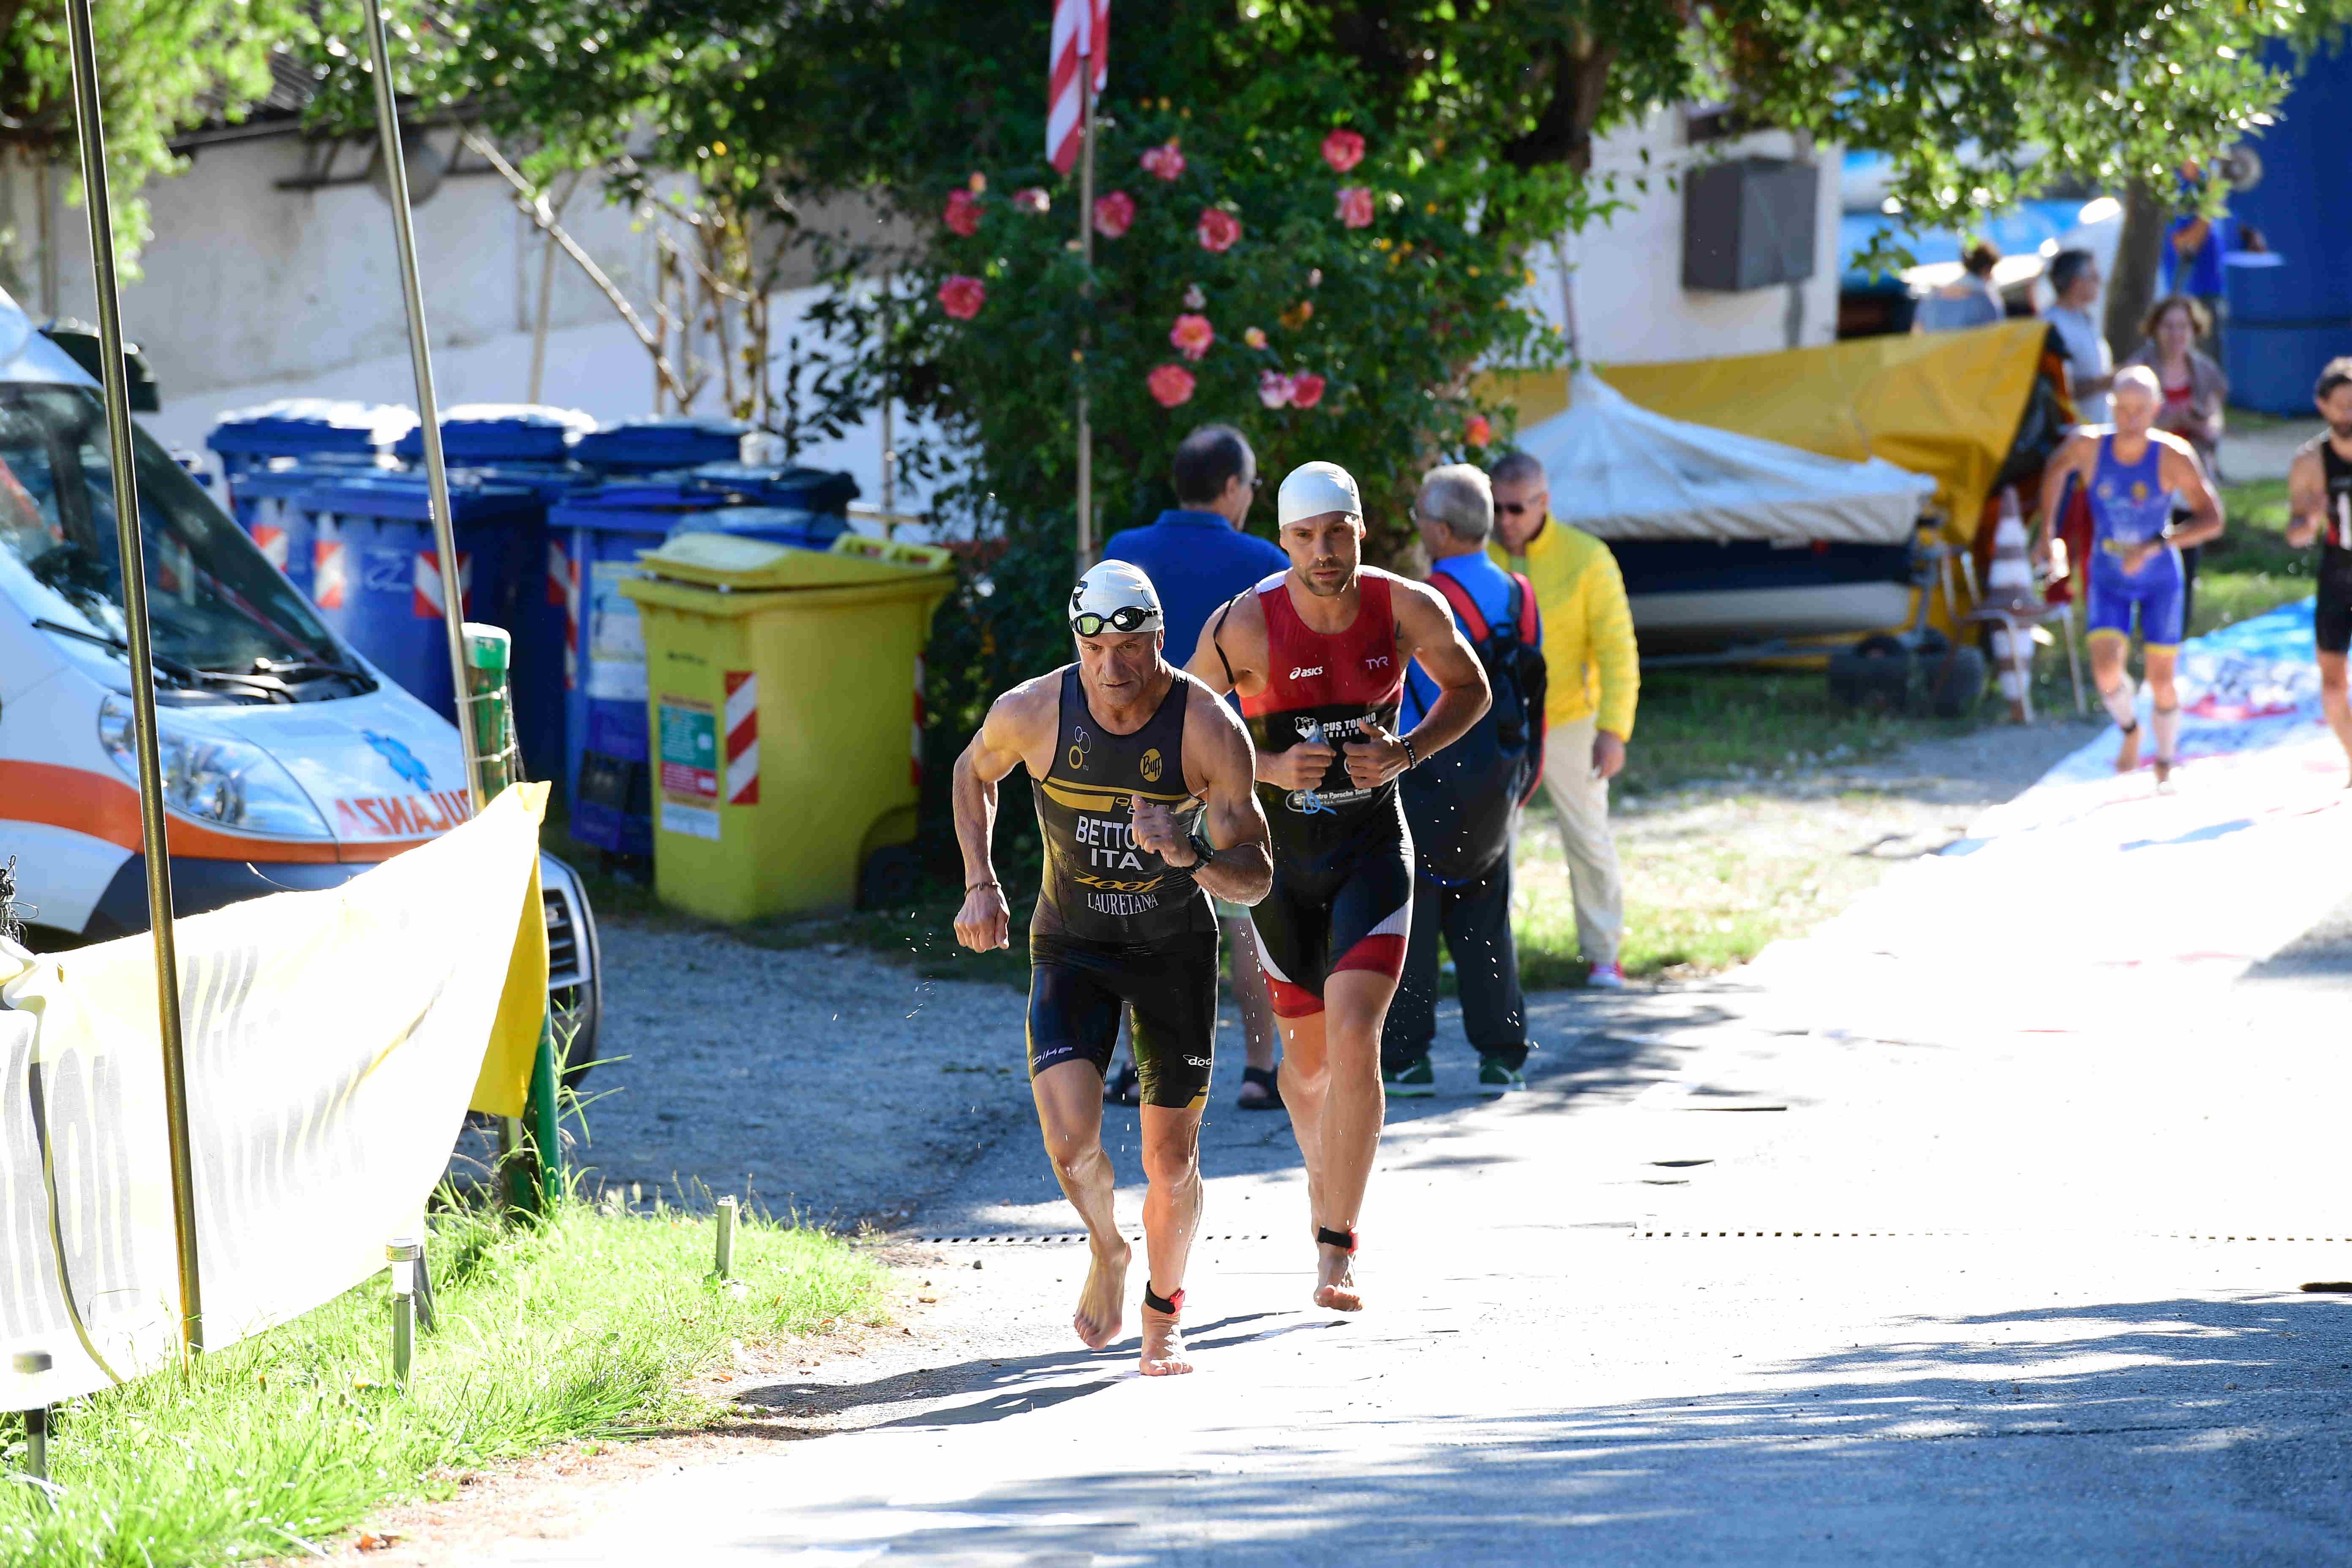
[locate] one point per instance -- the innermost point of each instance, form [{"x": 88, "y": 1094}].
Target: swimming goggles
[{"x": 1126, "y": 618}]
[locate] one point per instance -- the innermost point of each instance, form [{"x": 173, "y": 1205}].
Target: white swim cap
[
  {"x": 1114, "y": 596},
  {"x": 1313, "y": 489}
]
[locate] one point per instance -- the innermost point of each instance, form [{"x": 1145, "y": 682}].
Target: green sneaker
[
  {"x": 1414, "y": 1081},
  {"x": 1494, "y": 1078}
]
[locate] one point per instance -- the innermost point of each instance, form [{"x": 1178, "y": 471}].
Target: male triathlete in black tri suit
[
  {"x": 2319, "y": 504},
  {"x": 1118, "y": 745},
  {"x": 1319, "y": 654}
]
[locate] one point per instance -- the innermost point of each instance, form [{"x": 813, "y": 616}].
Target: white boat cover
[{"x": 1623, "y": 472}]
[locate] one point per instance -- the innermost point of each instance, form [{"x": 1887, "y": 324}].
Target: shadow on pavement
[{"x": 2183, "y": 1431}]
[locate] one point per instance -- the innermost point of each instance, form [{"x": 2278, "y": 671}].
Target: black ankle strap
[
  {"x": 1325, "y": 1236},
  {"x": 1170, "y": 1305}
]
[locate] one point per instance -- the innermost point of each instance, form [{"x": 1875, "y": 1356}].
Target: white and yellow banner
[{"x": 333, "y": 1041}]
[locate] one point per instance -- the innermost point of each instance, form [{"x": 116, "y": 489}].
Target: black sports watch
[{"x": 1203, "y": 850}]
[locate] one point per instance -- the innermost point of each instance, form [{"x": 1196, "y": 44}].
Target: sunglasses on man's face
[
  {"x": 1514, "y": 508},
  {"x": 1127, "y": 618}
]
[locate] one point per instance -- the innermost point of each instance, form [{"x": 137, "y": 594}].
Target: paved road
[{"x": 1570, "y": 1362}]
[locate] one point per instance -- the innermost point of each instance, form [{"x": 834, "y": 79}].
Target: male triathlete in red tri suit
[
  {"x": 1117, "y": 746},
  {"x": 1318, "y": 654}
]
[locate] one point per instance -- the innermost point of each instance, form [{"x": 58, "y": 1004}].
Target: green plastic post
[
  {"x": 489, "y": 652},
  {"x": 33, "y": 1364},
  {"x": 725, "y": 1261},
  {"x": 548, "y": 1148},
  {"x": 404, "y": 1254}
]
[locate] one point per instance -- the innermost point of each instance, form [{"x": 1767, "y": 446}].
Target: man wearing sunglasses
[
  {"x": 1119, "y": 744},
  {"x": 1199, "y": 554},
  {"x": 1594, "y": 678},
  {"x": 1318, "y": 653}
]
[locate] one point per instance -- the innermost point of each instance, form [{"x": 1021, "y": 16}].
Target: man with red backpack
[{"x": 1463, "y": 803}]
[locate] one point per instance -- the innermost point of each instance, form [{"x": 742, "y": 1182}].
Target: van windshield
[{"x": 216, "y": 607}]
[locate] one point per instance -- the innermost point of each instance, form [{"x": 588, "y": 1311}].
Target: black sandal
[
  {"x": 1266, "y": 1078},
  {"x": 1124, "y": 1088}
]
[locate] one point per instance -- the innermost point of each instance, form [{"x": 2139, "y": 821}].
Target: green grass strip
[{"x": 589, "y": 1326}]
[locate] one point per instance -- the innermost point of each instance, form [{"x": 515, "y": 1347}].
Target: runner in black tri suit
[
  {"x": 1119, "y": 746},
  {"x": 2319, "y": 501},
  {"x": 1318, "y": 654}
]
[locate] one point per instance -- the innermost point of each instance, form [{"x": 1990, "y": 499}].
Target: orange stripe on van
[{"x": 107, "y": 807}]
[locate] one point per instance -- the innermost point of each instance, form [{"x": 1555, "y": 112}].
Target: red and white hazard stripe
[
  {"x": 1081, "y": 27},
  {"x": 743, "y": 726},
  {"x": 331, "y": 564},
  {"x": 272, "y": 542},
  {"x": 424, "y": 583},
  {"x": 915, "y": 746},
  {"x": 563, "y": 591}
]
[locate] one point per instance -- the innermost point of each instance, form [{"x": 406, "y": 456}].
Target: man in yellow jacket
[{"x": 1595, "y": 675}]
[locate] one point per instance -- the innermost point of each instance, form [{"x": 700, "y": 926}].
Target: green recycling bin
[{"x": 784, "y": 691}]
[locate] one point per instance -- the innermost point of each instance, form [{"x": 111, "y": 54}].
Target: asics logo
[{"x": 1302, "y": 674}]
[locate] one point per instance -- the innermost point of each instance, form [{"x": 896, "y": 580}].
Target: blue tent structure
[{"x": 2286, "y": 320}]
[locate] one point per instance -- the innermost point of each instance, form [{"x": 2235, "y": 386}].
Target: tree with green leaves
[
  {"x": 1362, "y": 295},
  {"x": 163, "y": 67}
]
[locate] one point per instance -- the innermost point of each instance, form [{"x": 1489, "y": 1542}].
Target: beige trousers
[{"x": 1582, "y": 803}]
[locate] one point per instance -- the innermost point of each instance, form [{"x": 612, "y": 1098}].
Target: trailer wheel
[
  {"x": 889, "y": 878},
  {"x": 1875, "y": 674},
  {"x": 1959, "y": 683}
]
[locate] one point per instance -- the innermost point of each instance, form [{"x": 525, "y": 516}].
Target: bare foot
[
  {"x": 1335, "y": 1286},
  {"x": 1101, "y": 1303},
  {"x": 2128, "y": 758},
  {"x": 1163, "y": 1345}
]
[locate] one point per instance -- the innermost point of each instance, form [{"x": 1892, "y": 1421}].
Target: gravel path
[{"x": 823, "y": 1082}]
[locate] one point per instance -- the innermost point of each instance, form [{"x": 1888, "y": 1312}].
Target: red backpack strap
[
  {"x": 1530, "y": 617},
  {"x": 1466, "y": 609}
]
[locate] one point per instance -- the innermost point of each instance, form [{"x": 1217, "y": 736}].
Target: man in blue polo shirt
[{"x": 1198, "y": 558}]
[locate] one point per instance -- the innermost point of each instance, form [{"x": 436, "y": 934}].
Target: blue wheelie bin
[
  {"x": 379, "y": 582},
  {"x": 272, "y": 454},
  {"x": 602, "y": 532},
  {"x": 527, "y": 445},
  {"x": 807, "y": 508},
  {"x": 660, "y": 445}
]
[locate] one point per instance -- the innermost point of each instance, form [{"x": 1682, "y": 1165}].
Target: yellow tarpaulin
[{"x": 1946, "y": 405}]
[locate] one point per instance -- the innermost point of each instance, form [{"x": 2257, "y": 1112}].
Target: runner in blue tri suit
[{"x": 2133, "y": 472}]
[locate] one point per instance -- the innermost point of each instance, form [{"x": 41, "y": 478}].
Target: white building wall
[
  {"x": 251, "y": 292},
  {"x": 1629, "y": 304}
]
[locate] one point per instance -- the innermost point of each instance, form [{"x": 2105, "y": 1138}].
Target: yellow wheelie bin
[{"x": 784, "y": 695}]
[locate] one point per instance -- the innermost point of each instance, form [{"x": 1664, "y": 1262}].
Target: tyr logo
[{"x": 1377, "y": 661}]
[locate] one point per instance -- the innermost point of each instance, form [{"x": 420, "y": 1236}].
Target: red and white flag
[{"x": 1080, "y": 28}]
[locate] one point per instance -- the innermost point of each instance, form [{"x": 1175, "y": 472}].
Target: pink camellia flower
[
  {"x": 1478, "y": 432},
  {"x": 1170, "y": 384},
  {"x": 1306, "y": 389},
  {"x": 963, "y": 213},
  {"x": 1033, "y": 200},
  {"x": 1314, "y": 278},
  {"x": 1343, "y": 150},
  {"x": 1194, "y": 300},
  {"x": 1355, "y": 206},
  {"x": 1167, "y": 160},
  {"x": 1193, "y": 335},
  {"x": 1114, "y": 214},
  {"x": 1253, "y": 336},
  {"x": 1219, "y": 230},
  {"x": 1273, "y": 388},
  {"x": 962, "y": 297}
]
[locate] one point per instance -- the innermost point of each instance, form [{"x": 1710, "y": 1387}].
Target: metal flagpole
[
  {"x": 131, "y": 548},
  {"x": 420, "y": 356},
  {"x": 1087, "y": 252}
]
